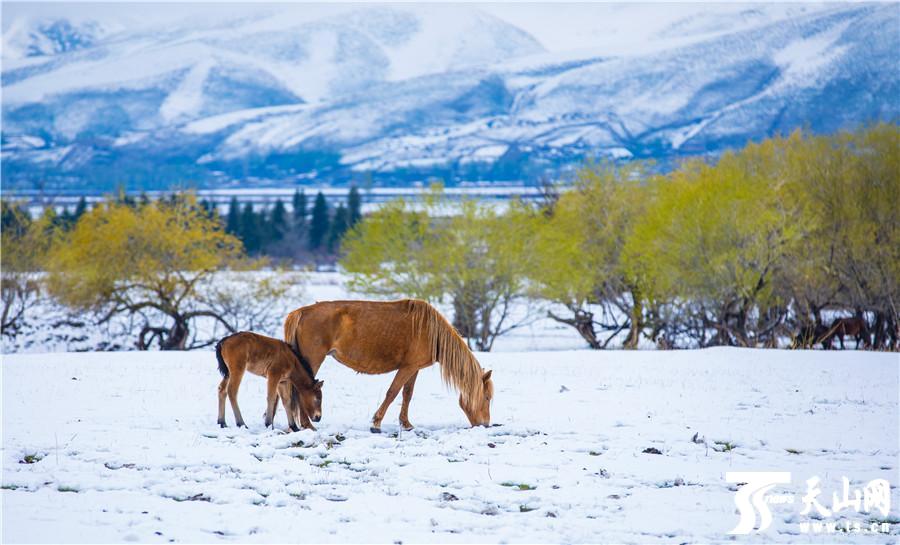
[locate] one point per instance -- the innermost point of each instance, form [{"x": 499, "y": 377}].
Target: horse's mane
[{"x": 459, "y": 367}]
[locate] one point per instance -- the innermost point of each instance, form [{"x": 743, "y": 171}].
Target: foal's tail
[{"x": 222, "y": 367}]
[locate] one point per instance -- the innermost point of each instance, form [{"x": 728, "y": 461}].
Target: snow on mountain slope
[{"x": 278, "y": 91}]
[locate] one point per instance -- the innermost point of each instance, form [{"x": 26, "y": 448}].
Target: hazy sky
[{"x": 558, "y": 26}]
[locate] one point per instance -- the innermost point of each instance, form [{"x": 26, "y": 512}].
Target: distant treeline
[
  {"x": 792, "y": 241},
  {"x": 305, "y": 234}
]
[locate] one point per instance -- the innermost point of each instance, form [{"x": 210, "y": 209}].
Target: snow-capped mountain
[{"x": 331, "y": 93}]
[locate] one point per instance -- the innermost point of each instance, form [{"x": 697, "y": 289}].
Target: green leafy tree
[
  {"x": 715, "y": 237},
  {"x": 161, "y": 257},
  {"x": 24, "y": 245},
  {"x": 576, "y": 254},
  {"x": 471, "y": 256}
]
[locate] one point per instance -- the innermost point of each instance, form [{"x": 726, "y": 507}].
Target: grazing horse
[
  {"x": 376, "y": 337},
  {"x": 285, "y": 372},
  {"x": 852, "y": 327}
]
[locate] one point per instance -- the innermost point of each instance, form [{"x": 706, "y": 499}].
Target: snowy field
[{"x": 113, "y": 447}]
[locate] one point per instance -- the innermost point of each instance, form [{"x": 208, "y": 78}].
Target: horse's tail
[
  {"x": 222, "y": 367},
  {"x": 459, "y": 367},
  {"x": 292, "y": 330}
]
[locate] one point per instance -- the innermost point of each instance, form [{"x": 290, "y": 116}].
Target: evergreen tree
[
  {"x": 318, "y": 226},
  {"x": 80, "y": 209},
  {"x": 65, "y": 219},
  {"x": 250, "y": 231},
  {"x": 233, "y": 224},
  {"x": 299, "y": 204},
  {"x": 354, "y": 205},
  {"x": 339, "y": 225},
  {"x": 278, "y": 223}
]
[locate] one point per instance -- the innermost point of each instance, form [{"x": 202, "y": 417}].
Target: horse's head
[
  {"x": 479, "y": 411},
  {"x": 310, "y": 398}
]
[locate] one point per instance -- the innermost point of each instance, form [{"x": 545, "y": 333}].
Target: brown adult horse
[
  {"x": 286, "y": 374},
  {"x": 855, "y": 327},
  {"x": 377, "y": 337}
]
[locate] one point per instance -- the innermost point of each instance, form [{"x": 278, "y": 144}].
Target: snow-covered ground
[{"x": 124, "y": 447}]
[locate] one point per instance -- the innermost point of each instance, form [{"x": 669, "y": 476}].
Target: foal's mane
[
  {"x": 458, "y": 365},
  {"x": 304, "y": 363}
]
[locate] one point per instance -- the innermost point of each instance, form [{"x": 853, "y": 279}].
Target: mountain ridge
[{"x": 347, "y": 96}]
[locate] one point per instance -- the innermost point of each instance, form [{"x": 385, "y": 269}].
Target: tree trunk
[
  {"x": 637, "y": 320},
  {"x": 583, "y": 322},
  {"x": 176, "y": 337}
]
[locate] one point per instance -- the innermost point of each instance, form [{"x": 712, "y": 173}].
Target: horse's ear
[
  {"x": 487, "y": 375},
  {"x": 319, "y": 384}
]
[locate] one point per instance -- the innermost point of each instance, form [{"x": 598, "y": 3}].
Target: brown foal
[{"x": 286, "y": 374}]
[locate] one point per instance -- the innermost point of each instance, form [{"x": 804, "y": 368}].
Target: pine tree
[
  {"x": 65, "y": 219},
  {"x": 80, "y": 209},
  {"x": 318, "y": 225},
  {"x": 250, "y": 231},
  {"x": 233, "y": 224},
  {"x": 278, "y": 222},
  {"x": 354, "y": 204},
  {"x": 339, "y": 226},
  {"x": 299, "y": 204}
]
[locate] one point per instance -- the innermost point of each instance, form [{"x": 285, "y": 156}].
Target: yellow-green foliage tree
[
  {"x": 466, "y": 251},
  {"x": 576, "y": 253},
  {"x": 848, "y": 186},
  {"x": 152, "y": 260},
  {"x": 24, "y": 248},
  {"x": 712, "y": 242}
]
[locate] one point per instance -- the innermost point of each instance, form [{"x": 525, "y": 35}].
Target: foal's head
[
  {"x": 479, "y": 412},
  {"x": 311, "y": 400}
]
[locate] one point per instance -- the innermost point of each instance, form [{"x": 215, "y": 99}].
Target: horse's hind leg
[
  {"x": 403, "y": 374},
  {"x": 407, "y": 396},
  {"x": 234, "y": 382},
  {"x": 222, "y": 393},
  {"x": 284, "y": 392}
]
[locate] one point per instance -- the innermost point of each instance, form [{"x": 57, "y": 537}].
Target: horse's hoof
[
  {"x": 294, "y": 428},
  {"x": 373, "y": 429},
  {"x": 221, "y": 424},
  {"x": 407, "y": 427}
]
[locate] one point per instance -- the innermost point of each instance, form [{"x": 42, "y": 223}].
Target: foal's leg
[
  {"x": 271, "y": 398},
  {"x": 222, "y": 393},
  {"x": 284, "y": 391},
  {"x": 407, "y": 396},
  {"x": 234, "y": 382},
  {"x": 400, "y": 379}
]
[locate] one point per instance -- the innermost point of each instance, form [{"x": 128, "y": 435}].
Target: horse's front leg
[
  {"x": 403, "y": 375},
  {"x": 271, "y": 398},
  {"x": 407, "y": 396}
]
